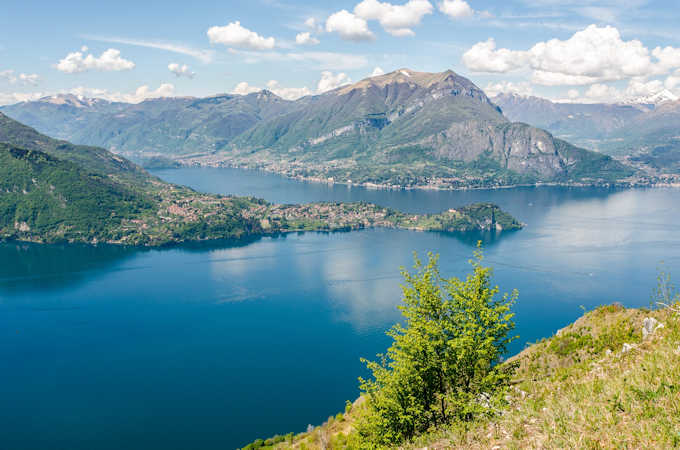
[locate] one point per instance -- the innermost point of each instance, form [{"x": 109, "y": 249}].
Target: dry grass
[{"x": 576, "y": 389}]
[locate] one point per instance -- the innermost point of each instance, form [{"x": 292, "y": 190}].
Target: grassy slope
[{"x": 576, "y": 389}]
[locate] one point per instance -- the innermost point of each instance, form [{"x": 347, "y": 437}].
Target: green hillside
[
  {"x": 93, "y": 159},
  {"x": 58, "y": 200}
]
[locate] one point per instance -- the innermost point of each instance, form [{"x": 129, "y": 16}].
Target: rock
[
  {"x": 649, "y": 326},
  {"x": 608, "y": 352},
  {"x": 627, "y": 347},
  {"x": 677, "y": 351}
]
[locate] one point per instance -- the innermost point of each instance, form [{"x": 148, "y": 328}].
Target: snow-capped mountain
[{"x": 655, "y": 99}]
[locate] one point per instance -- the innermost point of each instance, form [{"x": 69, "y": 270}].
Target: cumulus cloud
[
  {"x": 234, "y": 35},
  {"x": 635, "y": 91},
  {"x": 181, "y": 70},
  {"x": 20, "y": 78},
  {"x": 484, "y": 57},
  {"x": 673, "y": 82},
  {"x": 377, "y": 72},
  {"x": 243, "y": 88},
  {"x": 330, "y": 81},
  {"x": 110, "y": 60},
  {"x": 306, "y": 38},
  {"x": 287, "y": 92},
  {"x": 311, "y": 23},
  {"x": 669, "y": 57},
  {"x": 398, "y": 20},
  {"x": 18, "y": 97},
  {"x": 603, "y": 93},
  {"x": 349, "y": 26},
  {"x": 456, "y": 9},
  {"x": 593, "y": 55},
  {"x": 314, "y": 25},
  {"x": 508, "y": 87}
]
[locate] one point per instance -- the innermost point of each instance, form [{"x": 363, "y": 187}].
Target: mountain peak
[
  {"x": 656, "y": 99},
  {"x": 77, "y": 101},
  {"x": 424, "y": 80}
]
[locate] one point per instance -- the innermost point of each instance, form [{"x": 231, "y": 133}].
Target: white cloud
[
  {"x": 669, "y": 57},
  {"x": 205, "y": 56},
  {"x": 84, "y": 48},
  {"x": 377, "y": 72},
  {"x": 235, "y": 35},
  {"x": 456, "y": 9},
  {"x": 508, "y": 87},
  {"x": 314, "y": 25},
  {"x": 603, "y": 93},
  {"x": 110, "y": 60},
  {"x": 673, "y": 82},
  {"x": 597, "y": 53},
  {"x": 349, "y": 26},
  {"x": 330, "y": 81},
  {"x": 21, "y": 78},
  {"x": 636, "y": 90},
  {"x": 395, "y": 19},
  {"x": 306, "y": 38},
  {"x": 484, "y": 57},
  {"x": 288, "y": 93},
  {"x": 561, "y": 79},
  {"x": 243, "y": 88},
  {"x": 593, "y": 55},
  {"x": 573, "y": 94},
  {"x": 181, "y": 70},
  {"x": 17, "y": 97}
]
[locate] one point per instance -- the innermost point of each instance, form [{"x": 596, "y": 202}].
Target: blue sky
[{"x": 563, "y": 49}]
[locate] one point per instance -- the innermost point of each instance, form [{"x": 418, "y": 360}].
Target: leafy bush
[{"x": 442, "y": 366}]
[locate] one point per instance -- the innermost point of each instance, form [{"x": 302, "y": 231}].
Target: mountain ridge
[
  {"x": 645, "y": 134},
  {"x": 404, "y": 128}
]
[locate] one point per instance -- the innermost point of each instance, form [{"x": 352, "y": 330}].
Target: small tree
[{"x": 443, "y": 363}]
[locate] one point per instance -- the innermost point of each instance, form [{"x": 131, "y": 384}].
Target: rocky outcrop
[
  {"x": 515, "y": 146},
  {"x": 649, "y": 327}
]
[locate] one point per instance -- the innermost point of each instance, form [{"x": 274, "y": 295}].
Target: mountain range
[
  {"x": 645, "y": 131},
  {"x": 404, "y": 128}
]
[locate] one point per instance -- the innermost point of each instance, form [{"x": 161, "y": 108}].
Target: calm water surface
[{"x": 214, "y": 346}]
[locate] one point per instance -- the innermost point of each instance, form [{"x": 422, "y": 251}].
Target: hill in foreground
[{"x": 609, "y": 380}]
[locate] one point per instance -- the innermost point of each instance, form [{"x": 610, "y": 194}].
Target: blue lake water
[{"x": 212, "y": 346}]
